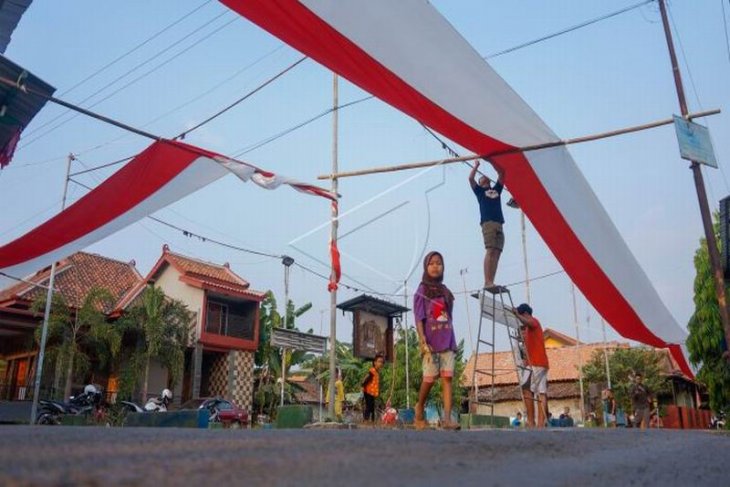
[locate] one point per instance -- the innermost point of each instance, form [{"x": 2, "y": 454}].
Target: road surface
[{"x": 373, "y": 458}]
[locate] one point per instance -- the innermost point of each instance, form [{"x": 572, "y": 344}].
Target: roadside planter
[{"x": 196, "y": 418}]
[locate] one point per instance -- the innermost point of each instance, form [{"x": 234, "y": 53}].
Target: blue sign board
[{"x": 694, "y": 142}]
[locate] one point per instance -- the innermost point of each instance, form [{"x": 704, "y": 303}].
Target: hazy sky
[{"x": 608, "y": 75}]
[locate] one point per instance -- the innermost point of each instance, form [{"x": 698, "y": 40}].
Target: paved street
[{"x": 373, "y": 458}]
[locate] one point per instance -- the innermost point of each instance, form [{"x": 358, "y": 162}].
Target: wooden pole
[
  {"x": 547, "y": 145},
  {"x": 712, "y": 250}
]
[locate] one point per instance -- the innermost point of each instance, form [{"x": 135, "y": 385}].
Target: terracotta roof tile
[
  {"x": 198, "y": 268},
  {"x": 555, "y": 390},
  {"x": 76, "y": 276},
  {"x": 556, "y": 335},
  {"x": 563, "y": 364}
]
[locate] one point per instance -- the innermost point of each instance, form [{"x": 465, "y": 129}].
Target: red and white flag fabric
[
  {"x": 160, "y": 175},
  {"x": 405, "y": 53}
]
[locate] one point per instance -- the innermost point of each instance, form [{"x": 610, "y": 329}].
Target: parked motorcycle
[
  {"x": 87, "y": 403},
  {"x": 717, "y": 422},
  {"x": 155, "y": 404}
]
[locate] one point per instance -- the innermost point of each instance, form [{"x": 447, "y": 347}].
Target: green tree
[
  {"x": 268, "y": 357},
  {"x": 624, "y": 363},
  {"x": 77, "y": 336},
  {"x": 160, "y": 325},
  {"x": 706, "y": 341}
]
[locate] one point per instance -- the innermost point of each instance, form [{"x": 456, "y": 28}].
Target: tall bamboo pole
[
  {"x": 333, "y": 237},
  {"x": 580, "y": 358}
]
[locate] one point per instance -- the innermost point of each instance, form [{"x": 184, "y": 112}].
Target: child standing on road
[
  {"x": 433, "y": 306},
  {"x": 371, "y": 387}
]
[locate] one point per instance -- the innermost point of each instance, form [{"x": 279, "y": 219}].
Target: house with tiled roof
[
  {"x": 75, "y": 276},
  {"x": 565, "y": 355},
  {"x": 224, "y": 334}
]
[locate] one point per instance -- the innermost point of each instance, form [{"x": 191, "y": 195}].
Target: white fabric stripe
[
  {"x": 242, "y": 171},
  {"x": 432, "y": 57},
  {"x": 201, "y": 172},
  {"x": 272, "y": 182},
  {"x": 591, "y": 224}
]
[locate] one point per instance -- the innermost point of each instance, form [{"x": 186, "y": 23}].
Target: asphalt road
[{"x": 373, "y": 458}]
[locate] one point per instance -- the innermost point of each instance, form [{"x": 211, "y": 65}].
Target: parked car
[{"x": 221, "y": 411}]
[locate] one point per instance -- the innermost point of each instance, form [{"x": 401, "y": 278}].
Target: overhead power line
[
  {"x": 512, "y": 49},
  {"x": 135, "y": 48},
  {"x": 130, "y": 71},
  {"x": 569, "y": 29},
  {"x": 286, "y": 132},
  {"x": 244, "y": 97}
]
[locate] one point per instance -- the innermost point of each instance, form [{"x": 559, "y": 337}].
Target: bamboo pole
[{"x": 546, "y": 145}]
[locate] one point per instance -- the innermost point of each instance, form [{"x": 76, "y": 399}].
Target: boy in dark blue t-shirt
[{"x": 490, "y": 210}]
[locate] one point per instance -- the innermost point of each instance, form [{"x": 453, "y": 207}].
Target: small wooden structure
[{"x": 372, "y": 330}]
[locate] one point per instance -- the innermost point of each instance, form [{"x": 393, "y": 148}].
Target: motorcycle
[
  {"x": 718, "y": 421},
  {"x": 154, "y": 405},
  {"x": 87, "y": 403}
]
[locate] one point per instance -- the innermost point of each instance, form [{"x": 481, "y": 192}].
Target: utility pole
[
  {"x": 287, "y": 261},
  {"x": 605, "y": 353},
  {"x": 47, "y": 312},
  {"x": 333, "y": 238},
  {"x": 712, "y": 249},
  {"x": 524, "y": 255},
  {"x": 405, "y": 328},
  {"x": 580, "y": 358}
]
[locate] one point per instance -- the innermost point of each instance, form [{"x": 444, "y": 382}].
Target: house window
[
  {"x": 217, "y": 318},
  {"x": 231, "y": 317}
]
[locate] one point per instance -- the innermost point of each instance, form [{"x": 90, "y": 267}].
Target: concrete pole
[
  {"x": 287, "y": 261},
  {"x": 47, "y": 312},
  {"x": 333, "y": 238}
]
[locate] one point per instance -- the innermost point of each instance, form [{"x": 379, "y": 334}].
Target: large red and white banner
[
  {"x": 160, "y": 175},
  {"x": 405, "y": 53}
]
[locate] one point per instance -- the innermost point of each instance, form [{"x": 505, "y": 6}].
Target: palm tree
[
  {"x": 77, "y": 333},
  {"x": 161, "y": 326}
]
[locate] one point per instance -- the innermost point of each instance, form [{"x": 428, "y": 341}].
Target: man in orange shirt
[
  {"x": 536, "y": 384},
  {"x": 371, "y": 387}
]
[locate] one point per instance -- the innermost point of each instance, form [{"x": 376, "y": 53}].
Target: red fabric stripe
[
  {"x": 299, "y": 27},
  {"x": 139, "y": 179}
]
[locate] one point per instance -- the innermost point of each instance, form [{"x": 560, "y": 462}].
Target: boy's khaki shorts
[
  {"x": 438, "y": 364},
  {"x": 493, "y": 235}
]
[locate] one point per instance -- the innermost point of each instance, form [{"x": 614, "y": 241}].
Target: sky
[{"x": 199, "y": 57}]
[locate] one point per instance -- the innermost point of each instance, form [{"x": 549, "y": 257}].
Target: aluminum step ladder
[{"x": 496, "y": 306}]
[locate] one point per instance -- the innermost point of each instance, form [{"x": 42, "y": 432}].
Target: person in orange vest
[{"x": 371, "y": 387}]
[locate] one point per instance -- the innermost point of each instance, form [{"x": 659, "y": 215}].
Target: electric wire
[
  {"x": 135, "y": 48},
  {"x": 243, "y": 98},
  {"x": 283, "y": 133},
  {"x": 724, "y": 26},
  {"x": 135, "y": 68},
  {"x": 512, "y": 49},
  {"x": 569, "y": 29},
  {"x": 159, "y": 117}
]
